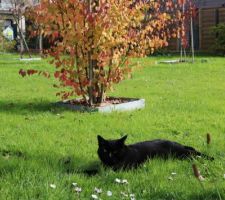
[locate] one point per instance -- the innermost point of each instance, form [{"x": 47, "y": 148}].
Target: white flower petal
[
  {"x": 124, "y": 194},
  {"x": 94, "y": 196},
  {"x": 124, "y": 181},
  {"x": 98, "y": 190},
  {"x": 109, "y": 193},
  {"x": 74, "y": 184},
  {"x": 77, "y": 189},
  {"x": 132, "y": 195},
  {"x": 53, "y": 186},
  {"x": 173, "y": 173},
  {"x": 117, "y": 180}
]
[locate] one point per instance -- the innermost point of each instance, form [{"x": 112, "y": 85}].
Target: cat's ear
[
  {"x": 101, "y": 140},
  {"x": 122, "y": 140}
]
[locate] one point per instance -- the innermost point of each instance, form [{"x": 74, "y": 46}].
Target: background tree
[
  {"x": 188, "y": 12},
  {"x": 99, "y": 37},
  {"x": 36, "y": 27},
  {"x": 18, "y": 10}
]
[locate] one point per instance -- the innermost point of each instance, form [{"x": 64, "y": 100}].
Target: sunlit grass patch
[{"x": 44, "y": 149}]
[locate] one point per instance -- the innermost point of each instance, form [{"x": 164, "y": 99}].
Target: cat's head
[
  {"x": 111, "y": 145},
  {"x": 110, "y": 150}
]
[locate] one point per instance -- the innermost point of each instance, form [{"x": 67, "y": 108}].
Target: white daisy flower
[
  {"x": 124, "y": 194},
  {"x": 109, "y": 193},
  {"x": 77, "y": 189},
  {"x": 53, "y": 186},
  {"x": 74, "y": 184},
  {"x": 94, "y": 196},
  {"x": 98, "y": 190},
  {"x": 117, "y": 180},
  {"x": 124, "y": 181}
]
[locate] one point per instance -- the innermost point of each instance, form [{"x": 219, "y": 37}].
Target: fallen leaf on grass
[{"x": 197, "y": 173}]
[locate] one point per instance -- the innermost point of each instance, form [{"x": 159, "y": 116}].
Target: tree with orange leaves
[{"x": 94, "y": 39}]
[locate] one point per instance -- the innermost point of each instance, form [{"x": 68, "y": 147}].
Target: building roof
[{"x": 210, "y": 3}]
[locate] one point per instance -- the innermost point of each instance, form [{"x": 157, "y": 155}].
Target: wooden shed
[{"x": 211, "y": 13}]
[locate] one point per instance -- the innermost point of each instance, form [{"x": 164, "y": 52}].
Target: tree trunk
[
  {"x": 92, "y": 64},
  {"x": 3, "y": 49},
  {"x": 90, "y": 74},
  {"x": 22, "y": 39},
  {"x": 41, "y": 43},
  {"x": 21, "y": 47}
]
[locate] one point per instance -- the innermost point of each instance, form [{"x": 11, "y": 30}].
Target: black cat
[{"x": 117, "y": 155}]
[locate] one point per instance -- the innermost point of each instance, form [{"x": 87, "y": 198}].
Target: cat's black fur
[{"x": 117, "y": 155}]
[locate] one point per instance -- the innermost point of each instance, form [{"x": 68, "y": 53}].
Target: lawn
[{"x": 41, "y": 144}]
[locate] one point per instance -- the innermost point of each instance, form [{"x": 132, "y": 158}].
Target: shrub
[
  {"x": 6, "y": 45},
  {"x": 219, "y": 46},
  {"x": 99, "y": 37}
]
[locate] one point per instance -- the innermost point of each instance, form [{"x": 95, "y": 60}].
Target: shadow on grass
[
  {"x": 208, "y": 195},
  {"x": 195, "y": 195},
  {"x": 70, "y": 165},
  {"x": 44, "y": 162},
  {"x": 13, "y": 160},
  {"x": 30, "y": 107}
]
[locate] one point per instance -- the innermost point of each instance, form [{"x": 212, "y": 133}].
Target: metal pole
[
  {"x": 192, "y": 40},
  {"x": 183, "y": 24}
]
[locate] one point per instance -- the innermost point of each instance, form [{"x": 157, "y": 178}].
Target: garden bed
[{"x": 111, "y": 104}]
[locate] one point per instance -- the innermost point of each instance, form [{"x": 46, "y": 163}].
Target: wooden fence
[{"x": 209, "y": 18}]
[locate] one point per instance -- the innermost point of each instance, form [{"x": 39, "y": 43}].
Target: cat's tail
[{"x": 194, "y": 152}]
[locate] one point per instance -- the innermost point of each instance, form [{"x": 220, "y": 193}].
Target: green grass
[{"x": 183, "y": 103}]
